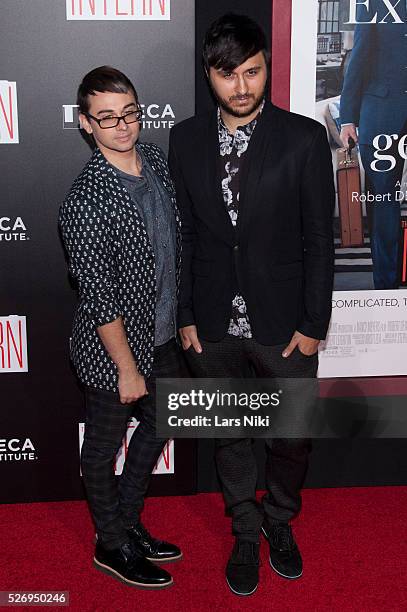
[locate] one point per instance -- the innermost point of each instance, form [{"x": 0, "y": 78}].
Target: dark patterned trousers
[
  {"x": 115, "y": 506},
  {"x": 286, "y": 459}
]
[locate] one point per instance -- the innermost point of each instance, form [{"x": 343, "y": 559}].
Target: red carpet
[{"x": 353, "y": 542}]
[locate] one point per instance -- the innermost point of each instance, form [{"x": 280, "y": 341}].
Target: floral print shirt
[{"x": 232, "y": 149}]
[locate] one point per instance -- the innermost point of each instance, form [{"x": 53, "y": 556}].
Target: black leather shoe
[
  {"x": 152, "y": 549},
  {"x": 285, "y": 558},
  {"x": 242, "y": 570},
  {"x": 129, "y": 566}
]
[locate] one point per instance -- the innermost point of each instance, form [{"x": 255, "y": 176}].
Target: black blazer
[{"x": 280, "y": 256}]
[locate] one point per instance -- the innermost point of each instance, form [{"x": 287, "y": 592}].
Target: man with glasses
[{"x": 120, "y": 228}]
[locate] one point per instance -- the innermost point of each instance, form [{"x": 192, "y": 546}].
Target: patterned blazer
[{"x": 111, "y": 258}]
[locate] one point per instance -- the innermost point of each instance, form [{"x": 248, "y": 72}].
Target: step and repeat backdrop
[
  {"x": 328, "y": 57},
  {"x": 46, "y": 47}
]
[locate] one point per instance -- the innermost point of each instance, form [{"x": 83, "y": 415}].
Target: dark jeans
[
  {"x": 117, "y": 506},
  {"x": 287, "y": 459}
]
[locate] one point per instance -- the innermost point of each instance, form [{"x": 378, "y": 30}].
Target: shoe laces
[
  {"x": 146, "y": 537},
  {"x": 245, "y": 553},
  {"x": 142, "y": 531},
  {"x": 282, "y": 536},
  {"x": 132, "y": 553}
]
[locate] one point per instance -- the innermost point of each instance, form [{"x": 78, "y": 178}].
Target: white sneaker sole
[
  {"x": 284, "y": 575},
  {"x": 241, "y": 594},
  {"x": 276, "y": 570}
]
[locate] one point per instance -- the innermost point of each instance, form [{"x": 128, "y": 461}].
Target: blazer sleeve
[
  {"x": 317, "y": 206},
  {"x": 86, "y": 238},
  {"x": 188, "y": 233},
  {"x": 357, "y": 74}
]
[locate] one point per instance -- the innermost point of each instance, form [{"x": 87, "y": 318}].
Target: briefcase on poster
[
  {"x": 350, "y": 208},
  {"x": 403, "y": 253}
]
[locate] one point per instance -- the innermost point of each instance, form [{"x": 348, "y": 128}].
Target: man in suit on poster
[
  {"x": 374, "y": 99},
  {"x": 255, "y": 190}
]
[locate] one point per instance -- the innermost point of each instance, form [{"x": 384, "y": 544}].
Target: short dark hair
[
  {"x": 231, "y": 40},
  {"x": 104, "y": 78}
]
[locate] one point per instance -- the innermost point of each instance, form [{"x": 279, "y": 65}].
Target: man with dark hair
[
  {"x": 120, "y": 228},
  {"x": 255, "y": 189}
]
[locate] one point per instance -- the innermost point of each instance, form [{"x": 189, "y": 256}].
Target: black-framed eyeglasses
[{"x": 110, "y": 122}]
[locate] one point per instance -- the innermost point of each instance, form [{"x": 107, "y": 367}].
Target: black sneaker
[
  {"x": 242, "y": 570},
  {"x": 152, "y": 549},
  {"x": 285, "y": 558},
  {"x": 129, "y": 566}
]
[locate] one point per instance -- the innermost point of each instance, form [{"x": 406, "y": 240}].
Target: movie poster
[{"x": 349, "y": 71}]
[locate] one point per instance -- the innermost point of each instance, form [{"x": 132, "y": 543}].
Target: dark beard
[{"x": 236, "y": 113}]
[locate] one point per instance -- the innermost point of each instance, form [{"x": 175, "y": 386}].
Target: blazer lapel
[
  {"x": 215, "y": 214},
  {"x": 265, "y": 135}
]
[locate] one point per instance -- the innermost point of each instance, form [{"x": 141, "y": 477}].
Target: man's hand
[
  {"x": 132, "y": 385},
  {"x": 348, "y": 131},
  {"x": 189, "y": 337},
  {"x": 306, "y": 345}
]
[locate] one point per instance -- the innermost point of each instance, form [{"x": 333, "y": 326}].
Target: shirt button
[{"x": 164, "y": 245}]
